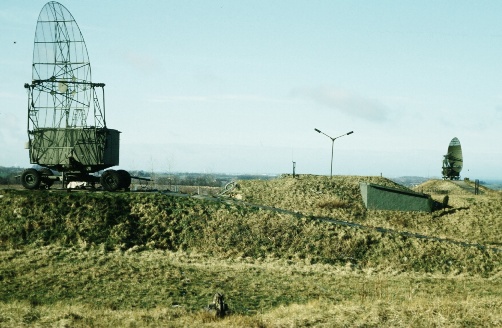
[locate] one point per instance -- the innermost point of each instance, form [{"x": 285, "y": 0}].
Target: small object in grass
[
  {"x": 445, "y": 201},
  {"x": 218, "y": 307}
]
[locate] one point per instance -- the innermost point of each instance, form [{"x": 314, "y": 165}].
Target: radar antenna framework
[{"x": 67, "y": 129}]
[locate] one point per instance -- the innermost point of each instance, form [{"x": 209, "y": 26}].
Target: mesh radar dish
[
  {"x": 453, "y": 161},
  {"x": 67, "y": 129}
]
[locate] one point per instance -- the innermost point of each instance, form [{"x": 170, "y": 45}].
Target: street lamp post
[{"x": 332, "y": 144}]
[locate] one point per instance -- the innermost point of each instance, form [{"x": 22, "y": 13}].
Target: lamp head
[
  {"x": 350, "y": 132},
  {"x": 318, "y": 131}
]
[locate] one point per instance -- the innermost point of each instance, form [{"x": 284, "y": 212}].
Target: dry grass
[
  {"x": 150, "y": 260},
  {"x": 91, "y": 287},
  {"x": 470, "y": 218}
]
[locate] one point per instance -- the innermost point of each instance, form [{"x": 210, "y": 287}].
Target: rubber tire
[
  {"x": 110, "y": 180},
  {"x": 125, "y": 179},
  {"x": 30, "y": 179}
]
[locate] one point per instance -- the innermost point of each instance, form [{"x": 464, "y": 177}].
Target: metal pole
[{"x": 332, "y": 144}]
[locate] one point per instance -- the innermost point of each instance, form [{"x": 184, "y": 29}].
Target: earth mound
[{"x": 337, "y": 196}]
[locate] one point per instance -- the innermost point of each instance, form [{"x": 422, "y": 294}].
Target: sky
[{"x": 239, "y": 86}]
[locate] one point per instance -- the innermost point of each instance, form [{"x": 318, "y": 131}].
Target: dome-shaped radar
[{"x": 453, "y": 161}]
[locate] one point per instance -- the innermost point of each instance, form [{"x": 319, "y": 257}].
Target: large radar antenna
[
  {"x": 61, "y": 92},
  {"x": 453, "y": 161},
  {"x": 66, "y": 124}
]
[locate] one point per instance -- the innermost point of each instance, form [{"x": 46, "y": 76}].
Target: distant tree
[{"x": 8, "y": 175}]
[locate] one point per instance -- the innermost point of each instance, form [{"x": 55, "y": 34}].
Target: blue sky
[{"x": 239, "y": 86}]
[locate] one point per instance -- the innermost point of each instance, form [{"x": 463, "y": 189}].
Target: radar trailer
[{"x": 67, "y": 129}]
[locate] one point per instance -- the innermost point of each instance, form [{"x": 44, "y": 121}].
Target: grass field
[{"x": 83, "y": 259}]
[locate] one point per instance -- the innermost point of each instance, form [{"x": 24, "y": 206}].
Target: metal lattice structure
[
  {"x": 66, "y": 123},
  {"x": 61, "y": 74}
]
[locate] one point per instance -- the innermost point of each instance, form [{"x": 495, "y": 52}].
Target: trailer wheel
[
  {"x": 110, "y": 180},
  {"x": 125, "y": 179},
  {"x": 30, "y": 179}
]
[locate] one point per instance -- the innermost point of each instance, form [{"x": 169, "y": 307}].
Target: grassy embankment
[{"x": 126, "y": 259}]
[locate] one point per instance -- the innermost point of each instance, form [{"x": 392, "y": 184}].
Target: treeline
[
  {"x": 8, "y": 175},
  {"x": 199, "y": 179},
  {"x": 191, "y": 180}
]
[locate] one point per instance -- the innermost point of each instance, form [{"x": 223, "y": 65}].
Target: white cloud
[
  {"x": 348, "y": 103},
  {"x": 219, "y": 98},
  {"x": 143, "y": 62}
]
